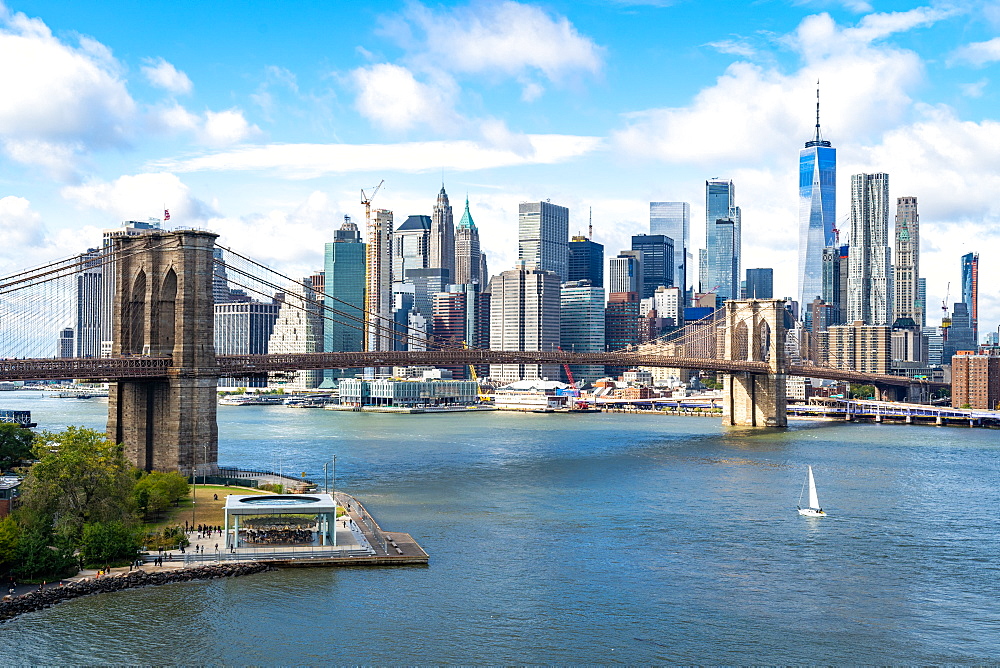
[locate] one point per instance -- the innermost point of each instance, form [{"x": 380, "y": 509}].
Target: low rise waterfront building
[
  {"x": 392, "y": 392},
  {"x": 532, "y": 395}
]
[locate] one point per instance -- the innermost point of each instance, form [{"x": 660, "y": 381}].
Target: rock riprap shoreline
[{"x": 43, "y": 598}]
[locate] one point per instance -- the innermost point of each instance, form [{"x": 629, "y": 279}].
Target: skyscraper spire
[
  {"x": 817, "y": 110},
  {"x": 590, "y": 228},
  {"x": 817, "y": 139}
]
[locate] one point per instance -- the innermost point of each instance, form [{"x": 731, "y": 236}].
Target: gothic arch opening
[
  {"x": 135, "y": 329},
  {"x": 166, "y": 315},
  {"x": 740, "y": 336},
  {"x": 762, "y": 341}
]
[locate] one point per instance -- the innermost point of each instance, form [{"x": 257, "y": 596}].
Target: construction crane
[
  {"x": 945, "y": 317},
  {"x": 369, "y": 263},
  {"x": 574, "y": 399},
  {"x": 472, "y": 371}
]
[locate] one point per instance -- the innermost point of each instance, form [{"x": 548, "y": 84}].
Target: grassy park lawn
[{"x": 207, "y": 509}]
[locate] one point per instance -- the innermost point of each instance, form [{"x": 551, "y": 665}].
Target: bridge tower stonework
[
  {"x": 755, "y": 332},
  {"x": 164, "y": 308}
]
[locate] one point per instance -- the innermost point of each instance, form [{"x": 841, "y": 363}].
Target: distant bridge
[
  {"x": 239, "y": 366},
  {"x": 164, "y": 370}
]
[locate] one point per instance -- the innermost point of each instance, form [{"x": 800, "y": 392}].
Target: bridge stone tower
[
  {"x": 164, "y": 308},
  {"x": 755, "y": 331}
]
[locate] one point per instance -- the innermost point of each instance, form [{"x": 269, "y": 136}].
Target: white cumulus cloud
[
  {"x": 756, "y": 112},
  {"x": 508, "y": 37},
  {"x": 164, "y": 75},
  {"x": 20, "y": 225},
  {"x": 140, "y": 196},
  {"x": 58, "y": 99},
  {"x": 214, "y": 128},
  {"x": 392, "y": 97}
]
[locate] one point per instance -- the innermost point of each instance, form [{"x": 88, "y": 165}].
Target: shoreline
[{"x": 39, "y": 599}]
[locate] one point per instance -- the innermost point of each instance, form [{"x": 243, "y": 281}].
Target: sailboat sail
[{"x": 813, "y": 496}]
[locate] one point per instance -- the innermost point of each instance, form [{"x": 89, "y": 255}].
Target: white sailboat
[{"x": 813, "y": 509}]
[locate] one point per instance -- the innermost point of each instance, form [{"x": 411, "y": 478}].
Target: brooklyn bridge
[{"x": 163, "y": 370}]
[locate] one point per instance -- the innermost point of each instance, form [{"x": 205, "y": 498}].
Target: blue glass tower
[
  {"x": 817, "y": 213},
  {"x": 722, "y": 240}
]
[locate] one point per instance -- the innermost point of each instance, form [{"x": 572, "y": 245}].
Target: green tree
[
  {"x": 15, "y": 445},
  {"x": 10, "y": 534},
  {"x": 862, "y": 391},
  {"x": 108, "y": 543},
  {"x": 41, "y": 555},
  {"x": 80, "y": 477},
  {"x": 157, "y": 491}
]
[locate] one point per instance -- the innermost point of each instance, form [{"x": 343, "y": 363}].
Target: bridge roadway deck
[{"x": 139, "y": 367}]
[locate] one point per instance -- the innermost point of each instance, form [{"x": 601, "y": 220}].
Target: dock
[{"x": 360, "y": 542}]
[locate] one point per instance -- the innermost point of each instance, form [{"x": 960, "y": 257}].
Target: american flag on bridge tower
[{"x": 166, "y": 214}]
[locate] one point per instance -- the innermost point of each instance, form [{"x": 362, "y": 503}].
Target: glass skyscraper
[
  {"x": 817, "y": 213},
  {"x": 722, "y": 240},
  {"x": 581, "y": 325},
  {"x": 970, "y": 290},
  {"x": 657, "y": 261},
  {"x": 760, "y": 283},
  {"x": 586, "y": 261},
  {"x": 344, "y": 265},
  {"x": 673, "y": 219}
]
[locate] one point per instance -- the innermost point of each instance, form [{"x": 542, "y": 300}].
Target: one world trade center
[{"x": 817, "y": 214}]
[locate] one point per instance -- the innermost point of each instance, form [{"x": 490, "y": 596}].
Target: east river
[{"x": 559, "y": 539}]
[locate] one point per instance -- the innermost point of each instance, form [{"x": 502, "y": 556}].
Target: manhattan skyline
[{"x": 264, "y": 128}]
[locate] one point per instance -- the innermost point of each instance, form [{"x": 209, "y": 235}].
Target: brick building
[{"x": 975, "y": 380}]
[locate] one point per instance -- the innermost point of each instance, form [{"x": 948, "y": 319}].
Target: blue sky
[{"x": 263, "y": 122}]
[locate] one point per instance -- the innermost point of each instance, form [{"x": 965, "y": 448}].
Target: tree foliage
[
  {"x": 41, "y": 554},
  {"x": 9, "y": 539},
  {"x": 862, "y": 392},
  {"x": 80, "y": 477},
  {"x": 105, "y": 543},
  {"x": 15, "y": 445},
  {"x": 156, "y": 491}
]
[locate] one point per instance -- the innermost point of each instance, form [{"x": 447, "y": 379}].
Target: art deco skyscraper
[
  {"x": 467, "y": 252},
  {"x": 442, "y": 247},
  {"x": 543, "y": 237},
  {"x": 722, "y": 240},
  {"x": 817, "y": 213},
  {"x": 869, "y": 255},
  {"x": 906, "y": 274}
]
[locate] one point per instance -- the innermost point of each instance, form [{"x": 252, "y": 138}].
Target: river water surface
[{"x": 584, "y": 539}]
